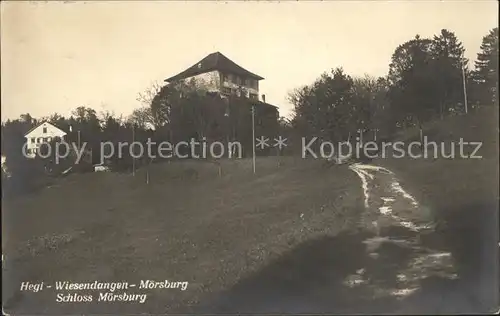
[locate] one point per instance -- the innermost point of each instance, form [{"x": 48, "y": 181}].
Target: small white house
[{"x": 42, "y": 133}]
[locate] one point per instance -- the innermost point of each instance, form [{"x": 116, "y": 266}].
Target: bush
[{"x": 27, "y": 175}]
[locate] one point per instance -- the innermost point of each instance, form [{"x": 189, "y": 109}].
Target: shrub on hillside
[{"x": 26, "y": 175}]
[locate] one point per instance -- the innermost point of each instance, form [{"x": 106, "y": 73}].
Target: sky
[{"x": 56, "y": 56}]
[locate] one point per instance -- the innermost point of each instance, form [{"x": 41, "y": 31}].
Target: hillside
[
  {"x": 284, "y": 240},
  {"x": 463, "y": 195},
  {"x": 450, "y": 268},
  {"x": 187, "y": 224},
  {"x": 464, "y": 178}
]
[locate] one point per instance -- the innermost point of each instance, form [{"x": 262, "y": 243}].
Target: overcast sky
[{"x": 57, "y": 56}]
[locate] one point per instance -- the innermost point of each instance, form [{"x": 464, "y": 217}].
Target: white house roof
[{"x": 41, "y": 123}]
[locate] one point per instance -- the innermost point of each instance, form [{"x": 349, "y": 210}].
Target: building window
[
  {"x": 225, "y": 78},
  {"x": 253, "y": 83},
  {"x": 32, "y": 140},
  {"x": 38, "y": 140},
  {"x": 45, "y": 130}
]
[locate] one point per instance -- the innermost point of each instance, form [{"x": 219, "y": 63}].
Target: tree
[
  {"x": 485, "y": 75},
  {"x": 143, "y": 117},
  {"x": 26, "y": 174},
  {"x": 160, "y": 99},
  {"x": 153, "y": 98},
  {"x": 27, "y": 118},
  {"x": 79, "y": 113},
  {"x": 326, "y": 109},
  {"x": 447, "y": 53},
  {"x": 55, "y": 118},
  {"x": 372, "y": 104},
  {"x": 146, "y": 97},
  {"x": 413, "y": 89}
]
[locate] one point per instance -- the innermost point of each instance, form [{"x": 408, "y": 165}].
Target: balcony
[{"x": 233, "y": 81}]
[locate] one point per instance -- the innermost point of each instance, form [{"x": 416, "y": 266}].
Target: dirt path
[
  {"x": 389, "y": 208},
  {"x": 399, "y": 220},
  {"x": 380, "y": 266},
  {"x": 387, "y": 203}
]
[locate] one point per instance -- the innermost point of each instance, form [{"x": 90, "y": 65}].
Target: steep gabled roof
[
  {"x": 40, "y": 124},
  {"x": 214, "y": 61}
]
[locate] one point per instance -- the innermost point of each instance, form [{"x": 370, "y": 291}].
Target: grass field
[
  {"x": 287, "y": 234},
  {"x": 188, "y": 224}
]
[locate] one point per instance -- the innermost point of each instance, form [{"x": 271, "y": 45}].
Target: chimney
[{"x": 264, "y": 98}]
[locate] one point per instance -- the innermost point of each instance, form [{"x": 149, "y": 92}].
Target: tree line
[
  {"x": 176, "y": 112},
  {"x": 428, "y": 79},
  {"x": 425, "y": 81}
]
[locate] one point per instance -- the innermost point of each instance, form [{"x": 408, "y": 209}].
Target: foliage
[
  {"x": 425, "y": 81},
  {"x": 485, "y": 75}
]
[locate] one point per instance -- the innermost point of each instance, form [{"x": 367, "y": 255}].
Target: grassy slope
[
  {"x": 459, "y": 178},
  {"x": 463, "y": 196},
  {"x": 244, "y": 232},
  {"x": 188, "y": 224}
]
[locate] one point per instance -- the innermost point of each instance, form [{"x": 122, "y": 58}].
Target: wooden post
[
  {"x": 133, "y": 159},
  {"x": 253, "y": 137},
  {"x": 465, "y": 89}
]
